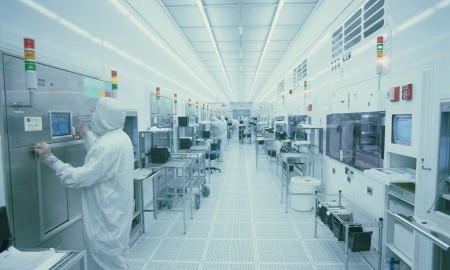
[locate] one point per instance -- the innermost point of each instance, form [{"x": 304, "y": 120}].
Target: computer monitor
[
  {"x": 401, "y": 129},
  {"x": 60, "y": 124},
  {"x": 206, "y": 134}
]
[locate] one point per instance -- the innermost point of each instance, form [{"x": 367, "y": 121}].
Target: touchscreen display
[{"x": 60, "y": 124}]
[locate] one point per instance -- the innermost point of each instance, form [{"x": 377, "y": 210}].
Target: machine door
[{"x": 42, "y": 206}]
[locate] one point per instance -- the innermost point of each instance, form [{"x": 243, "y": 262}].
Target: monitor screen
[
  {"x": 60, "y": 124},
  {"x": 401, "y": 129}
]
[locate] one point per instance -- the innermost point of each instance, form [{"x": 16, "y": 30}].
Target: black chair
[
  {"x": 5, "y": 233},
  {"x": 213, "y": 154}
]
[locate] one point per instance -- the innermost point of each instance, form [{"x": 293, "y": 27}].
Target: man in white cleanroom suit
[{"x": 106, "y": 180}]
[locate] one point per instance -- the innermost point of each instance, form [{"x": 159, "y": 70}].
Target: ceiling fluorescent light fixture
[
  {"x": 266, "y": 44},
  {"x": 213, "y": 41}
]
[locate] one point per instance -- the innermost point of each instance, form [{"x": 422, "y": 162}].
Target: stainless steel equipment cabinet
[{"x": 349, "y": 224}]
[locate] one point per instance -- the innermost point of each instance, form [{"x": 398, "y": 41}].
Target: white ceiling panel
[
  {"x": 187, "y": 16},
  {"x": 169, "y": 3},
  {"x": 248, "y": 46},
  {"x": 258, "y": 15},
  {"x": 229, "y": 46},
  {"x": 251, "y": 55},
  {"x": 240, "y": 31},
  {"x": 220, "y": 2},
  {"x": 226, "y": 34},
  {"x": 223, "y": 16},
  {"x": 231, "y": 63},
  {"x": 259, "y": 1},
  {"x": 295, "y": 14},
  {"x": 230, "y": 55},
  {"x": 250, "y": 63},
  {"x": 196, "y": 34},
  {"x": 212, "y": 63},
  {"x": 254, "y": 33},
  {"x": 203, "y": 46}
]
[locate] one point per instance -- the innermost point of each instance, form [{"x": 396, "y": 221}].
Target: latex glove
[
  {"x": 47, "y": 157},
  {"x": 81, "y": 127},
  {"x": 43, "y": 150}
]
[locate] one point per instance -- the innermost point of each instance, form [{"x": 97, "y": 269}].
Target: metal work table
[
  {"x": 70, "y": 259},
  {"x": 140, "y": 176},
  {"x": 51, "y": 259},
  {"x": 336, "y": 209},
  {"x": 201, "y": 149},
  {"x": 198, "y": 169},
  {"x": 258, "y": 144},
  {"x": 177, "y": 175},
  {"x": 288, "y": 160}
]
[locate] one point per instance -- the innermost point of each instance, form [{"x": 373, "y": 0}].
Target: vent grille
[
  {"x": 300, "y": 72},
  {"x": 281, "y": 86},
  {"x": 363, "y": 23}
]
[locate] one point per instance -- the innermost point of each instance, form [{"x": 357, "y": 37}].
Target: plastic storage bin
[{"x": 303, "y": 184}]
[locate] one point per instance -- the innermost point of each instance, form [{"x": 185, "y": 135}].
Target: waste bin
[{"x": 303, "y": 184}]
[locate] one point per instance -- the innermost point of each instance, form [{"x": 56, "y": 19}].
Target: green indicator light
[
  {"x": 30, "y": 65},
  {"x": 114, "y": 86},
  {"x": 380, "y": 47}
]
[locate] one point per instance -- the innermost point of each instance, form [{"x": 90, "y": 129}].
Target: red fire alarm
[
  {"x": 309, "y": 108},
  {"x": 394, "y": 94},
  {"x": 407, "y": 92}
]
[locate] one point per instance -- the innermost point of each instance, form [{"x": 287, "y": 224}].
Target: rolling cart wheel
[
  {"x": 205, "y": 191},
  {"x": 197, "y": 202}
]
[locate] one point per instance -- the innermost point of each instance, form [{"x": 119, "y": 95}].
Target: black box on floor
[{"x": 359, "y": 241}]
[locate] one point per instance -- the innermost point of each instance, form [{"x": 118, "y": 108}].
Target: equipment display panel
[
  {"x": 60, "y": 124},
  {"x": 401, "y": 129}
]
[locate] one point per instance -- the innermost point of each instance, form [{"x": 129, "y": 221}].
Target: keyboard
[{"x": 435, "y": 221}]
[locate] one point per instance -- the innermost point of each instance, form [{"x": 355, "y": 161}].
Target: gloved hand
[
  {"x": 43, "y": 150},
  {"x": 81, "y": 127},
  {"x": 47, "y": 157}
]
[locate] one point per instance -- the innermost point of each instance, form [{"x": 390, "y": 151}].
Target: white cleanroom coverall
[{"x": 106, "y": 180}]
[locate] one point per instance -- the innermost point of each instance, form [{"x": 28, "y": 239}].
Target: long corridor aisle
[{"x": 241, "y": 225}]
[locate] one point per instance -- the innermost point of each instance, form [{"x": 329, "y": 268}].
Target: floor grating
[{"x": 242, "y": 225}]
